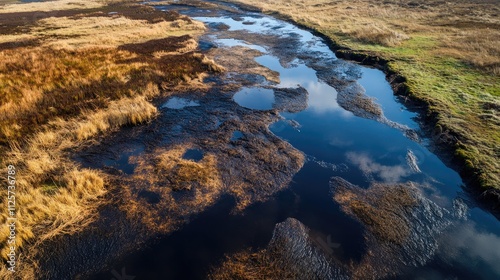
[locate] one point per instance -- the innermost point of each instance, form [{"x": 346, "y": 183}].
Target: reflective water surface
[
  {"x": 463, "y": 241},
  {"x": 179, "y": 103}
]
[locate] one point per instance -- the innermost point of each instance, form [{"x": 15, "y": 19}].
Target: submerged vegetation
[
  {"x": 444, "y": 54},
  {"x": 69, "y": 72},
  {"x": 76, "y": 76}
]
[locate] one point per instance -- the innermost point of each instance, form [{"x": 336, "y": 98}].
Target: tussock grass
[
  {"x": 125, "y": 111},
  {"x": 69, "y": 82},
  {"x": 55, "y": 196},
  {"x": 376, "y": 34},
  {"x": 66, "y": 210},
  {"x": 449, "y": 53}
]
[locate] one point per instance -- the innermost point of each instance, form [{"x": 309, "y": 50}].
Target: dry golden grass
[
  {"x": 55, "y": 196},
  {"x": 71, "y": 82},
  {"x": 121, "y": 112},
  {"x": 52, "y": 6},
  {"x": 38, "y": 83},
  {"x": 71, "y": 33}
]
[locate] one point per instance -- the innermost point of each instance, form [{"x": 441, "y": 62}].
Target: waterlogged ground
[{"x": 290, "y": 164}]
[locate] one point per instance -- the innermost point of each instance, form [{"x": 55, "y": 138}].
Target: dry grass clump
[
  {"x": 478, "y": 47},
  {"x": 125, "y": 111},
  {"x": 377, "y": 211},
  {"x": 252, "y": 266},
  {"x": 52, "y": 6},
  {"x": 394, "y": 237},
  {"x": 68, "y": 82},
  {"x": 50, "y": 208},
  {"x": 377, "y": 34},
  {"x": 43, "y": 211},
  {"x": 183, "y": 187},
  {"x": 258, "y": 168},
  {"x": 182, "y": 174}
]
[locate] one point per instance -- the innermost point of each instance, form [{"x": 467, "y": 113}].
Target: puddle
[
  {"x": 150, "y": 197},
  {"x": 122, "y": 162},
  {"x": 193, "y": 154},
  {"x": 255, "y": 98},
  {"x": 234, "y": 43},
  {"x": 179, "y": 103},
  {"x": 237, "y": 135}
]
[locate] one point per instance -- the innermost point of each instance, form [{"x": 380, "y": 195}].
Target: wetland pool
[{"x": 462, "y": 241}]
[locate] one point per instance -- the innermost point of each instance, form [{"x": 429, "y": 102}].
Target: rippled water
[{"x": 449, "y": 241}]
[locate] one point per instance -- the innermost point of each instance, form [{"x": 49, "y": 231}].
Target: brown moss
[
  {"x": 250, "y": 265},
  {"x": 380, "y": 209},
  {"x": 182, "y": 187}
]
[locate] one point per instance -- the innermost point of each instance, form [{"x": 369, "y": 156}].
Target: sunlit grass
[{"x": 77, "y": 80}]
